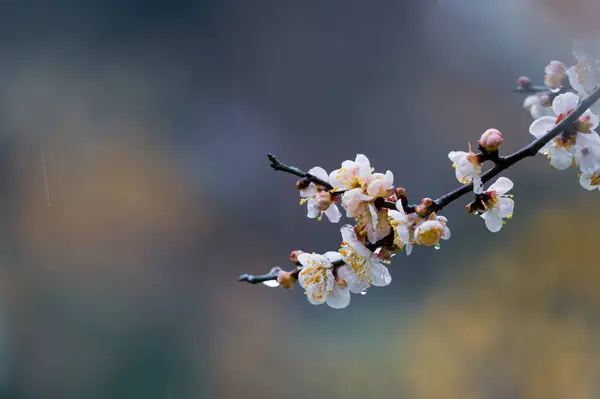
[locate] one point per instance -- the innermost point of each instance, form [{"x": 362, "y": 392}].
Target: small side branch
[
  {"x": 257, "y": 279},
  {"x": 276, "y": 165}
]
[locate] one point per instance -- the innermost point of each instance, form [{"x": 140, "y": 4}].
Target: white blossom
[
  {"x": 498, "y": 205},
  {"x": 590, "y": 178},
  {"x": 363, "y": 187},
  {"x": 585, "y": 75},
  {"x": 467, "y": 168},
  {"x": 430, "y": 232},
  {"x": 562, "y": 150},
  {"x": 555, "y": 74},
  {"x": 352, "y": 174},
  {"x": 538, "y": 105},
  {"x": 402, "y": 226},
  {"x": 317, "y": 277},
  {"x": 319, "y": 202},
  {"x": 363, "y": 268}
]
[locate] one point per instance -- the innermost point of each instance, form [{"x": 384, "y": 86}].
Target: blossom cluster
[
  {"x": 383, "y": 221},
  {"x": 566, "y": 87}
]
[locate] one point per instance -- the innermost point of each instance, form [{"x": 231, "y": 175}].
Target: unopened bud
[
  {"x": 294, "y": 256},
  {"x": 490, "y": 140},
  {"x": 421, "y": 210},
  {"x": 400, "y": 192},
  {"x": 524, "y": 82},
  {"x": 287, "y": 279},
  {"x": 303, "y": 183},
  {"x": 427, "y": 202}
]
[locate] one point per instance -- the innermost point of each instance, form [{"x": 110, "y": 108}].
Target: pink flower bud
[
  {"x": 294, "y": 256},
  {"x": 524, "y": 82},
  {"x": 490, "y": 140}
]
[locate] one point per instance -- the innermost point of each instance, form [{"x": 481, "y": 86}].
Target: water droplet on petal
[
  {"x": 436, "y": 246},
  {"x": 363, "y": 292}
]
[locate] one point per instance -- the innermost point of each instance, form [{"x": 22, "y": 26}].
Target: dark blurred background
[{"x": 154, "y": 119}]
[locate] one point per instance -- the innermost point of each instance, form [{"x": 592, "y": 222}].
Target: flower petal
[
  {"x": 319, "y": 172},
  {"x": 561, "y": 159},
  {"x": 312, "y": 209},
  {"x": 492, "y": 221},
  {"x": 339, "y": 298},
  {"x": 586, "y": 182},
  {"x": 564, "y": 103},
  {"x": 333, "y": 256},
  {"x": 317, "y": 295},
  {"x": 505, "y": 207},
  {"x": 333, "y": 213},
  {"x": 350, "y": 237},
  {"x": 380, "y": 274},
  {"x": 271, "y": 283},
  {"x": 501, "y": 186},
  {"x": 541, "y": 126},
  {"x": 309, "y": 191}
]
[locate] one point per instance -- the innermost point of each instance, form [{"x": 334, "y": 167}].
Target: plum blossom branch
[
  {"x": 564, "y": 130},
  {"x": 528, "y": 151}
]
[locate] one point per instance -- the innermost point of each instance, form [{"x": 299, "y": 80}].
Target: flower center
[
  {"x": 562, "y": 116},
  {"x": 430, "y": 237},
  {"x": 584, "y": 125},
  {"x": 491, "y": 199},
  {"x": 358, "y": 263},
  {"x": 565, "y": 141}
]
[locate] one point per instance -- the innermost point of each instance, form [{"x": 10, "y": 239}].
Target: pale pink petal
[
  {"x": 446, "y": 234},
  {"x": 561, "y": 159},
  {"x": 501, "y": 186},
  {"x": 271, "y": 283},
  {"x": 585, "y": 181},
  {"x": 593, "y": 118},
  {"x": 541, "y": 126},
  {"x": 492, "y": 221},
  {"x": 380, "y": 275},
  {"x": 333, "y": 256},
  {"x": 319, "y": 172},
  {"x": 574, "y": 80},
  {"x": 339, "y": 298},
  {"x": 564, "y": 103},
  {"x": 455, "y": 156},
  {"x": 317, "y": 295},
  {"x": 312, "y": 209},
  {"x": 350, "y": 237},
  {"x": 309, "y": 191},
  {"x": 333, "y": 213},
  {"x": 505, "y": 207},
  {"x": 304, "y": 258}
]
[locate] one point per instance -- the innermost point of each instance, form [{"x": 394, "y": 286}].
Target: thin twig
[
  {"x": 275, "y": 164},
  {"x": 256, "y": 279}
]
